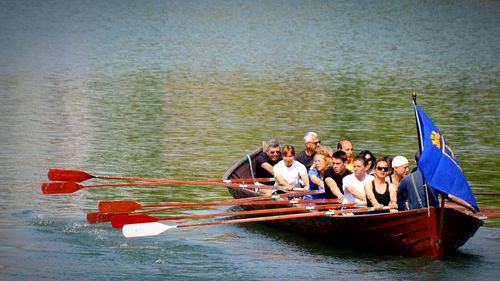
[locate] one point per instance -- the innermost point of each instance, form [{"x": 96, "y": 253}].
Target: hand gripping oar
[
  {"x": 156, "y": 228},
  {"x": 99, "y": 217},
  {"x": 119, "y": 221},
  {"x": 131, "y": 206},
  {"x": 70, "y": 187},
  {"x": 79, "y": 176}
]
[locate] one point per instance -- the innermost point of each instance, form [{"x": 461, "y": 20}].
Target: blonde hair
[
  {"x": 325, "y": 149},
  {"x": 327, "y": 156}
]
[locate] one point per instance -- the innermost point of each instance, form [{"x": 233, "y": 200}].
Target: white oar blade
[{"x": 145, "y": 229}]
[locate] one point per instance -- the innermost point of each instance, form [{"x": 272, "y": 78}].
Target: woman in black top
[{"x": 379, "y": 192}]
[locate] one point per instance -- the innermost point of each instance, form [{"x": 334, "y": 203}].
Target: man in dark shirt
[
  {"x": 334, "y": 175},
  {"x": 414, "y": 192},
  {"x": 267, "y": 159},
  {"x": 311, "y": 142}
]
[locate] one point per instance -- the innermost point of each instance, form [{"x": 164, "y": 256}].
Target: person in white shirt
[
  {"x": 354, "y": 184},
  {"x": 289, "y": 173}
]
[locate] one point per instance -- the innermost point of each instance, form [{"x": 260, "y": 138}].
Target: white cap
[{"x": 399, "y": 161}]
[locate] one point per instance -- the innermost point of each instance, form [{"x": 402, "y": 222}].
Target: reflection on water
[
  {"x": 178, "y": 122},
  {"x": 178, "y": 89}
]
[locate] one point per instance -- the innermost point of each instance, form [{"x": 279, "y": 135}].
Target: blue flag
[{"x": 438, "y": 163}]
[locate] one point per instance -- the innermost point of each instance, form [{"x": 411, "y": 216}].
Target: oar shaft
[
  {"x": 264, "y": 199},
  {"x": 482, "y": 209},
  {"x": 130, "y": 206},
  {"x": 155, "y": 228},
  {"x": 70, "y": 187},
  {"x": 487, "y": 193},
  {"x": 236, "y": 213},
  {"x": 279, "y": 217},
  {"x": 258, "y": 219},
  {"x": 242, "y": 203},
  {"x": 181, "y": 182},
  {"x": 153, "y": 181},
  {"x": 101, "y": 217},
  {"x": 488, "y": 216},
  {"x": 79, "y": 176},
  {"x": 119, "y": 221}
]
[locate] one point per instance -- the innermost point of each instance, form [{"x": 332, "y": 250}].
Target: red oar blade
[
  {"x": 68, "y": 175},
  {"x": 60, "y": 187},
  {"x": 120, "y": 220},
  {"x": 97, "y": 217},
  {"x": 118, "y": 206}
]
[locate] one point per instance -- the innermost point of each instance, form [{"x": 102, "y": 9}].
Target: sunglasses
[
  {"x": 274, "y": 152},
  {"x": 385, "y": 169},
  {"x": 315, "y": 143}
]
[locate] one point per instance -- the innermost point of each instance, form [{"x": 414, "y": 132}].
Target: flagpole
[
  {"x": 419, "y": 132},
  {"x": 426, "y": 188},
  {"x": 420, "y": 145}
]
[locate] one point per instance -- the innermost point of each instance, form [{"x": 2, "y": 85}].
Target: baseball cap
[{"x": 399, "y": 161}]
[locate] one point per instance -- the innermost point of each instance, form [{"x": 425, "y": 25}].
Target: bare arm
[
  {"x": 268, "y": 167},
  {"x": 370, "y": 196},
  {"x": 317, "y": 181},
  {"x": 332, "y": 185},
  {"x": 393, "y": 193},
  {"x": 282, "y": 182},
  {"x": 305, "y": 180},
  {"x": 355, "y": 193}
]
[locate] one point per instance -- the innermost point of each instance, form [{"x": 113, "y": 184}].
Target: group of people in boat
[{"x": 361, "y": 179}]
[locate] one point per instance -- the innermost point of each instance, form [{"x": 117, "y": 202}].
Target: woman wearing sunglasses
[{"x": 379, "y": 192}]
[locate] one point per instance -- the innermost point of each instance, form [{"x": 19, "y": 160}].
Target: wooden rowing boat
[{"x": 413, "y": 233}]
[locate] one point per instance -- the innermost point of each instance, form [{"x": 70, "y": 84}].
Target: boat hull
[{"x": 413, "y": 233}]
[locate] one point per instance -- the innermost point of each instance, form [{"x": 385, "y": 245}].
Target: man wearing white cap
[
  {"x": 414, "y": 193},
  {"x": 400, "y": 166}
]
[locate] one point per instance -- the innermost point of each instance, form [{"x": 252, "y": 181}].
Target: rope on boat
[
  {"x": 251, "y": 169},
  {"x": 250, "y": 165}
]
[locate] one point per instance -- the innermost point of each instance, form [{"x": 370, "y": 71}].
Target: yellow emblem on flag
[{"x": 436, "y": 139}]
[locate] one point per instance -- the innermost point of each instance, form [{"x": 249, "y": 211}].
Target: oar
[
  {"x": 70, "y": 187},
  {"x": 492, "y": 216},
  {"x": 487, "y": 193},
  {"x": 79, "y": 176},
  {"x": 462, "y": 208},
  {"x": 131, "y": 206},
  {"x": 119, "y": 221},
  {"x": 484, "y": 214},
  {"x": 98, "y": 217},
  {"x": 156, "y": 228}
]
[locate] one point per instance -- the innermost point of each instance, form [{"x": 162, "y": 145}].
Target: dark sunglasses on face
[
  {"x": 274, "y": 152},
  {"x": 385, "y": 169},
  {"x": 315, "y": 143}
]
